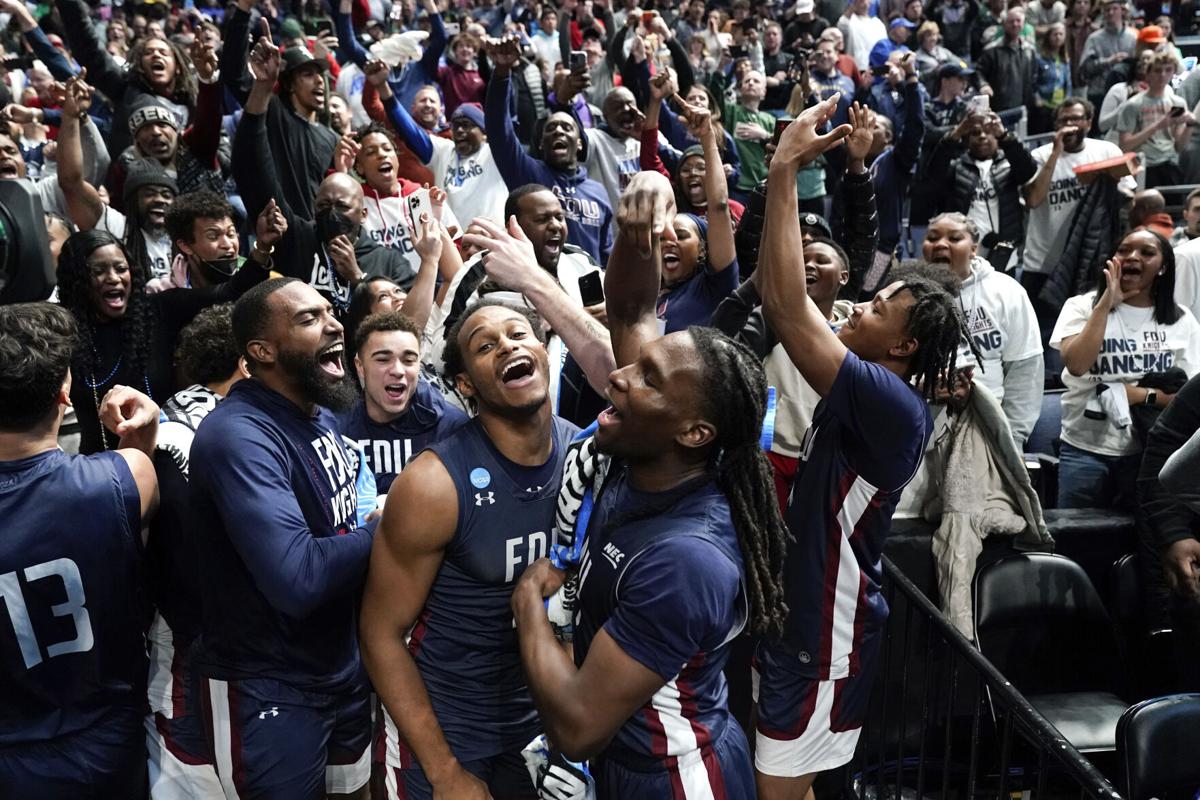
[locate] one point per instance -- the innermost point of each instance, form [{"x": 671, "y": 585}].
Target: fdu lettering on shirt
[
  {"x": 343, "y": 499},
  {"x": 983, "y": 331},
  {"x": 582, "y": 210}
]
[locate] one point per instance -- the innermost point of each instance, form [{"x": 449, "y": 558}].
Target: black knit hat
[{"x": 146, "y": 173}]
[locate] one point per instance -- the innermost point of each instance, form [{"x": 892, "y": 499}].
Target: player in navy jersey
[
  {"x": 178, "y": 757},
  {"x": 462, "y": 522},
  {"x": 281, "y": 559},
  {"x": 72, "y": 661},
  {"x": 864, "y": 444},
  {"x": 401, "y": 413},
  {"x": 684, "y": 546}
]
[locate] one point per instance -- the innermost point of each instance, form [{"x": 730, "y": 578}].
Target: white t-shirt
[
  {"x": 985, "y": 204},
  {"x": 1187, "y": 276},
  {"x": 547, "y": 47},
  {"x": 1134, "y": 345},
  {"x": 473, "y": 185},
  {"x": 613, "y": 162},
  {"x": 159, "y": 249},
  {"x": 861, "y": 34},
  {"x": 1046, "y": 232},
  {"x": 387, "y": 223},
  {"x": 1001, "y": 321}
]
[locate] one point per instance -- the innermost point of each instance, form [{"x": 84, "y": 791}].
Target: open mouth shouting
[
  {"x": 9, "y": 169},
  {"x": 518, "y": 372},
  {"x": 670, "y": 259},
  {"x": 330, "y": 360},
  {"x": 156, "y": 212},
  {"x": 560, "y": 147},
  {"x": 395, "y": 392},
  {"x": 114, "y": 300}
]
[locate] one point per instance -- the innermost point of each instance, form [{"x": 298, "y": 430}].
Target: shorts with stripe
[
  {"x": 179, "y": 760},
  {"x": 271, "y": 740},
  {"x": 505, "y": 775},
  {"x": 721, "y": 771},
  {"x": 103, "y": 761},
  {"x": 807, "y": 725}
]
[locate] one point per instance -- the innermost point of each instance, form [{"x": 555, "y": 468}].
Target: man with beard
[
  {"x": 437, "y": 633},
  {"x": 148, "y": 193},
  {"x": 1054, "y": 193},
  {"x": 300, "y": 148},
  {"x": 463, "y": 165},
  {"x": 190, "y": 155},
  {"x": 400, "y": 413},
  {"x": 330, "y": 249},
  {"x": 584, "y": 201},
  {"x": 281, "y": 558}
]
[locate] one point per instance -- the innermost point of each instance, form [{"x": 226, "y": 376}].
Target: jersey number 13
[{"x": 10, "y": 590}]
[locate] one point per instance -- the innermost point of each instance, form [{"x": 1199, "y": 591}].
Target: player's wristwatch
[{"x": 1151, "y": 396}]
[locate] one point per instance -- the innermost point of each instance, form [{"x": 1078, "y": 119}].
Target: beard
[{"x": 316, "y": 384}]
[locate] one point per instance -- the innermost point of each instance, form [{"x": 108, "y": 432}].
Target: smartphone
[
  {"x": 452, "y": 28},
  {"x": 880, "y": 70},
  {"x": 738, "y": 51},
  {"x": 418, "y": 204},
  {"x": 979, "y": 104},
  {"x": 1177, "y": 111},
  {"x": 647, "y": 18},
  {"x": 315, "y": 26},
  {"x": 591, "y": 289},
  {"x": 780, "y": 126},
  {"x": 578, "y": 60}
]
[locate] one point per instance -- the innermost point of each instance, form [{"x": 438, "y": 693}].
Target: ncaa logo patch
[{"x": 481, "y": 478}]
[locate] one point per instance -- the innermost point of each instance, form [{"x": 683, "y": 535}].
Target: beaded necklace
[{"x": 94, "y": 384}]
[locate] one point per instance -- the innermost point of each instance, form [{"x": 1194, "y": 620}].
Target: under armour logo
[
  {"x": 485, "y": 497},
  {"x": 273, "y": 711}
]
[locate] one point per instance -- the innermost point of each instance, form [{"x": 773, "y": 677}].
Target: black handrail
[{"x": 1020, "y": 713}]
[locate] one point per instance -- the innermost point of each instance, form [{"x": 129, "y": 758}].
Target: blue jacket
[
  {"x": 893, "y": 168},
  {"x": 585, "y": 201}
]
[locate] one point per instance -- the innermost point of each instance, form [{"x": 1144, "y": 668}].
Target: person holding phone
[{"x": 1155, "y": 123}]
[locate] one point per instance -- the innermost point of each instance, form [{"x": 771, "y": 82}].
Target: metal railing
[{"x": 944, "y": 723}]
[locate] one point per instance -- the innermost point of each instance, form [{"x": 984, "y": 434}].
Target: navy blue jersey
[
  {"x": 71, "y": 616},
  {"x": 694, "y": 301},
  {"x": 662, "y": 574},
  {"x": 465, "y": 641},
  {"x": 389, "y": 446},
  {"x": 281, "y": 562},
  {"x": 864, "y": 445}
]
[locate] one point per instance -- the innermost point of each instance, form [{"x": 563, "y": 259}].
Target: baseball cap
[
  {"x": 903, "y": 22},
  {"x": 1151, "y": 34},
  {"x": 295, "y": 58},
  {"x": 805, "y": 6},
  {"x": 810, "y": 220},
  {"x": 953, "y": 70}
]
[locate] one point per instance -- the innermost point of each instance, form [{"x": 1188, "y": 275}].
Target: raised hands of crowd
[
  {"x": 74, "y": 96},
  {"x": 265, "y": 62},
  {"x": 862, "y": 133},
  {"x": 699, "y": 119},
  {"x": 663, "y": 86},
  {"x": 22, "y": 115},
  {"x": 345, "y": 154},
  {"x": 645, "y": 211},
  {"x": 270, "y": 226},
  {"x": 504, "y": 52},
  {"x": 325, "y": 44},
  {"x": 204, "y": 57},
  {"x": 800, "y": 143},
  {"x": 510, "y": 260},
  {"x": 427, "y": 239},
  {"x": 568, "y": 83}
]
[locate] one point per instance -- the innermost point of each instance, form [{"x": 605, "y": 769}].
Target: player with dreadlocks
[
  {"x": 864, "y": 444},
  {"x": 684, "y": 546}
]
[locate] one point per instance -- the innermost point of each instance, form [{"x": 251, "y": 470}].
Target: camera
[{"x": 26, "y": 274}]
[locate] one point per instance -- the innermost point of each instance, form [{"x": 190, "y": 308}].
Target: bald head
[{"x": 343, "y": 194}]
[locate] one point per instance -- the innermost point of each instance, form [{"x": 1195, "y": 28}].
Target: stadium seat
[
  {"x": 1040, "y": 621},
  {"x": 1157, "y": 745}
]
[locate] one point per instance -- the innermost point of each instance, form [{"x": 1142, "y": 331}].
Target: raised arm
[
  {"x": 1037, "y": 189},
  {"x": 511, "y": 262},
  {"x": 631, "y": 282},
  {"x": 435, "y": 45},
  {"x": 860, "y": 220},
  {"x": 253, "y": 165},
  {"x": 516, "y": 166},
  {"x": 350, "y": 50},
  {"x": 233, "y": 51},
  {"x": 203, "y": 136},
  {"x": 413, "y": 135},
  {"x": 87, "y": 47},
  {"x": 407, "y": 554},
  {"x": 428, "y": 241},
  {"x": 84, "y": 206},
  {"x": 1079, "y": 352},
  {"x": 801, "y": 327},
  {"x": 721, "y": 250},
  {"x": 57, "y": 63}
]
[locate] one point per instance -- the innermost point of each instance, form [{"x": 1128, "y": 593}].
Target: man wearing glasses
[{"x": 1055, "y": 191}]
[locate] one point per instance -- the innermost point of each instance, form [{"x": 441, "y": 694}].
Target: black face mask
[
  {"x": 218, "y": 270},
  {"x": 332, "y": 224}
]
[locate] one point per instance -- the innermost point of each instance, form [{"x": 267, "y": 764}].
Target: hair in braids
[
  {"x": 74, "y": 283},
  {"x": 734, "y": 398},
  {"x": 936, "y": 322}
]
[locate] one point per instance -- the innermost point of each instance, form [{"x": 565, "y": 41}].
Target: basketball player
[
  {"x": 684, "y": 548},
  {"x": 400, "y": 413},
  {"x": 462, "y": 522},
  {"x": 864, "y": 444},
  {"x": 281, "y": 559},
  {"x": 72, "y": 660}
]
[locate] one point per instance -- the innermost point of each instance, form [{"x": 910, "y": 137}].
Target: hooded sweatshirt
[{"x": 585, "y": 202}]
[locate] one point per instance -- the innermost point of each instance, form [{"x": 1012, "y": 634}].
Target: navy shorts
[
  {"x": 271, "y": 740},
  {"x": 723, "y": 770},
  {"x": 506, "y": 776},
  {"x": 104, "y": 761}
]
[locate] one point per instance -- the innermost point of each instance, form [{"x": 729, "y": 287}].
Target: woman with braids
[
  {"x": 683, "y": 548},
  {"x": 865, "y": 443},
  {"x": 126, "y": 335}
]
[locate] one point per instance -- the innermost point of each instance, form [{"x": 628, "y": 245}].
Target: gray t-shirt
[{"x": 1142, "y": 111}]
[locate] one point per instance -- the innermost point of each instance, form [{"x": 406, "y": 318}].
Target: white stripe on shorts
[
  {"x": 347, "y": 778},
  {"x": 222, "y": 731},
  {"x": 817, "y": 749}
]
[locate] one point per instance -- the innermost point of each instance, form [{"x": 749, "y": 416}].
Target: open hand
[
  {"x": 800, "y": 144},
  {"x": 510, "y": 260},
  {"x": 862, "y": 132}
]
